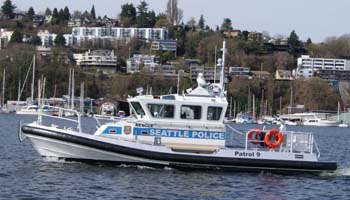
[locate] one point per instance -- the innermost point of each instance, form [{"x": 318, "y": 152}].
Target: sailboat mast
[
  {"x": 3, "y": 88},
  {"x": 72, "y": 97},
  {"x": 223, "y": 65},
  {"x": 33, "y": 76}
]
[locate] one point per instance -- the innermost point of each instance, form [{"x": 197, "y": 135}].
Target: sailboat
[
  {"x": 31, "y": 108},
  {"x": 342, "y": 124}
]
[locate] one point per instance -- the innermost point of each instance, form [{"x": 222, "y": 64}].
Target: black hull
[{"x": 183, "y": 161}]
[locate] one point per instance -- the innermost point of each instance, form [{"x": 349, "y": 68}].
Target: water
[{"x": 25, "y": 175}]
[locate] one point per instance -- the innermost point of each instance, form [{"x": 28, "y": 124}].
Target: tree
[
  {"x": 174, "y": 14},
  {"x": 92, "y": 12},
  {"x": 128, "y": 14},
  {"x": 201, "y": 22},
  {"x": 60, "y": 40},
  {"x": 226, "y": 25},
  {"x": 8, "y": 8},
  {"x": 66, "y": 14},
  {"x": 30, "y": 13},
  {"x": 48, "y": 12},
  {"x": 17, "y": 37},
  {"x": 55, "y": 17},
  {"x": 142, "y": 14},
  {"x": 192, "y": 23},
  {"x": 308, "y": 41},
  {"x": 35, "y": 40},
  {"x": 294, "y": 42}
]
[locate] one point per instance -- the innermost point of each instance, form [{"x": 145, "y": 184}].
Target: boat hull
[{"x": 84, "y": 147}]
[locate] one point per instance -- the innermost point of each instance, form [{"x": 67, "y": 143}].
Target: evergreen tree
[
  {"x": 55, "y": 17},
  {"x": 8, "y": 8},
  {"x": 294, "y": 42},
  {"x": 308, "y": 41},
  {"x": 30, "y": 13},
  {"x": 226, "y": 25},
  {"x": 60, "y": 40},
  {"x": 66, "y": 13},
  {"x": 92, "y": 12},
  {"x": 35, "y": 40},
  {"x": 128, "y": 14},
  {"x": 48, "y": 12},
  {"x": 142, "y": 14},
  {"x": 17, "y": 37},
  {"x": 201, "y": 22},
  {"x": 61, "y": 16}
]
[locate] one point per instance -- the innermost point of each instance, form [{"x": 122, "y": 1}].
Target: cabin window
[
  {"x": 161, "y": 110},
  {"x": 214, "y": 113},
  {"x": 191, "y": 112},
  {"x": 138, "y": 108}
]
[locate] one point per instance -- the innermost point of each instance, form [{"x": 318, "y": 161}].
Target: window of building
[
  {"x": 138, "y": 108},
  {"x": 191, "y": 112},
  {"x": 214, "y": 113},
  {"x": 161, "y": 110}
]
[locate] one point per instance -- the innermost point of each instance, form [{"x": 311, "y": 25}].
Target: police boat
[{"x": 184, "y": 131}]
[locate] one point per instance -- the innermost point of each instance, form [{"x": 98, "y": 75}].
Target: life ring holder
[
  {"x": 273, "y": 138},
  {"x": 257, "y": 133}
]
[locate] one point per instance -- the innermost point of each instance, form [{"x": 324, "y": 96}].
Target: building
[
  {"x": 232, "y": 33},
  {"x": 75, "y": 22},
  {"x": 164, "y": 45},
  {"x": 141, "y": 62},
  {"x": 5, "y": 37},
  {"x": 47, "y": 38},
  {"x": 235, "y": 72},
  {"x": 308, "y": 67},
  {"x": 118, "y": 33},
  {"x": 260, "y": 74},
  {"x": 283, "y": 75},
  {"x": 98, "y": 60}
]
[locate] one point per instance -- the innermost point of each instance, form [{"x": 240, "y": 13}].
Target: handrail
[{"x": 61, "y": 111}]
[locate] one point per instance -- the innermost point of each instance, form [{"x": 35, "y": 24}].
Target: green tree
[
  {"x": 16, "y": 37},
  {"x": 308, "y": 41},
  {"x": 226, "y": 25},
  {"x": 201, "y": 22},
  {"x": 66, "y": 13},
  {"x": 48, "y": 12},
  {"x": 30, "y": 13},
  {"x": 92, "y": 12},
  {"x": 60, "y": 40},
  {"x": 55, "y": 17},
  {"x": 294, "y": 42},
  {"x": 35, "y": 40},
  {"x": 128, "y": 14},
  {"x": 8, "y": 8},
  {"x": 142, "y": 14}
]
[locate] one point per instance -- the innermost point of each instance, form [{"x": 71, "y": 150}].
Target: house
[
  {"x": 236, "y": 72},
  {"x": 47, "y": 38},
  {"x": 164, "y": 45},
  {"x": 141, "y": 62},
  {"x": 232, "y": 33},
  {"x": 75, "y": 22},
  {"x": 283, "y": 75},
  {"x": 210, "y": 74},
  {"x": 5, "y": 37},
  {"x": 260, "y": 74},
  {"x": 97, "y": 60}
]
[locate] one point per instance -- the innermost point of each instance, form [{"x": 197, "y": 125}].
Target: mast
[
  {"x": 215, "y": 65},
  {"x": 3, "y": 89},
  {"x": 81, "y": 97},
  {"x": 72, "y": 97},
  {"x": 223, "y": 65},
  {"x": 33, "y": 80}
]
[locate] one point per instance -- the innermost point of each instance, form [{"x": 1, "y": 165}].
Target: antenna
[{"x": 223, "y": 65}]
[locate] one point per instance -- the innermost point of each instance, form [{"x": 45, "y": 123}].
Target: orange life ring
[
  {"x": 257, "y": 132},
  {"x": 273, "y": 138}
]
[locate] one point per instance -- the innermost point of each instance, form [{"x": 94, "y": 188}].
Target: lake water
[{"x": 25, "y": 175}]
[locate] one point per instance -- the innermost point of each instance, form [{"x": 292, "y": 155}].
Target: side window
[
  {"x": 214, "y": 113},
  {"x": 138, "y": 108},
  {"x": 161, "y": 110},
  {"x": 191, "y": 112}
]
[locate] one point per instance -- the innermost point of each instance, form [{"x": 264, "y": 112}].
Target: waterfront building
[{"x": 98, "y": 60}]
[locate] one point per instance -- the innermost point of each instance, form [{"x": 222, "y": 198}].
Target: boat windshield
[
  {"x": 138, "y": 108},
  {"x": 161, "y": 110}
]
